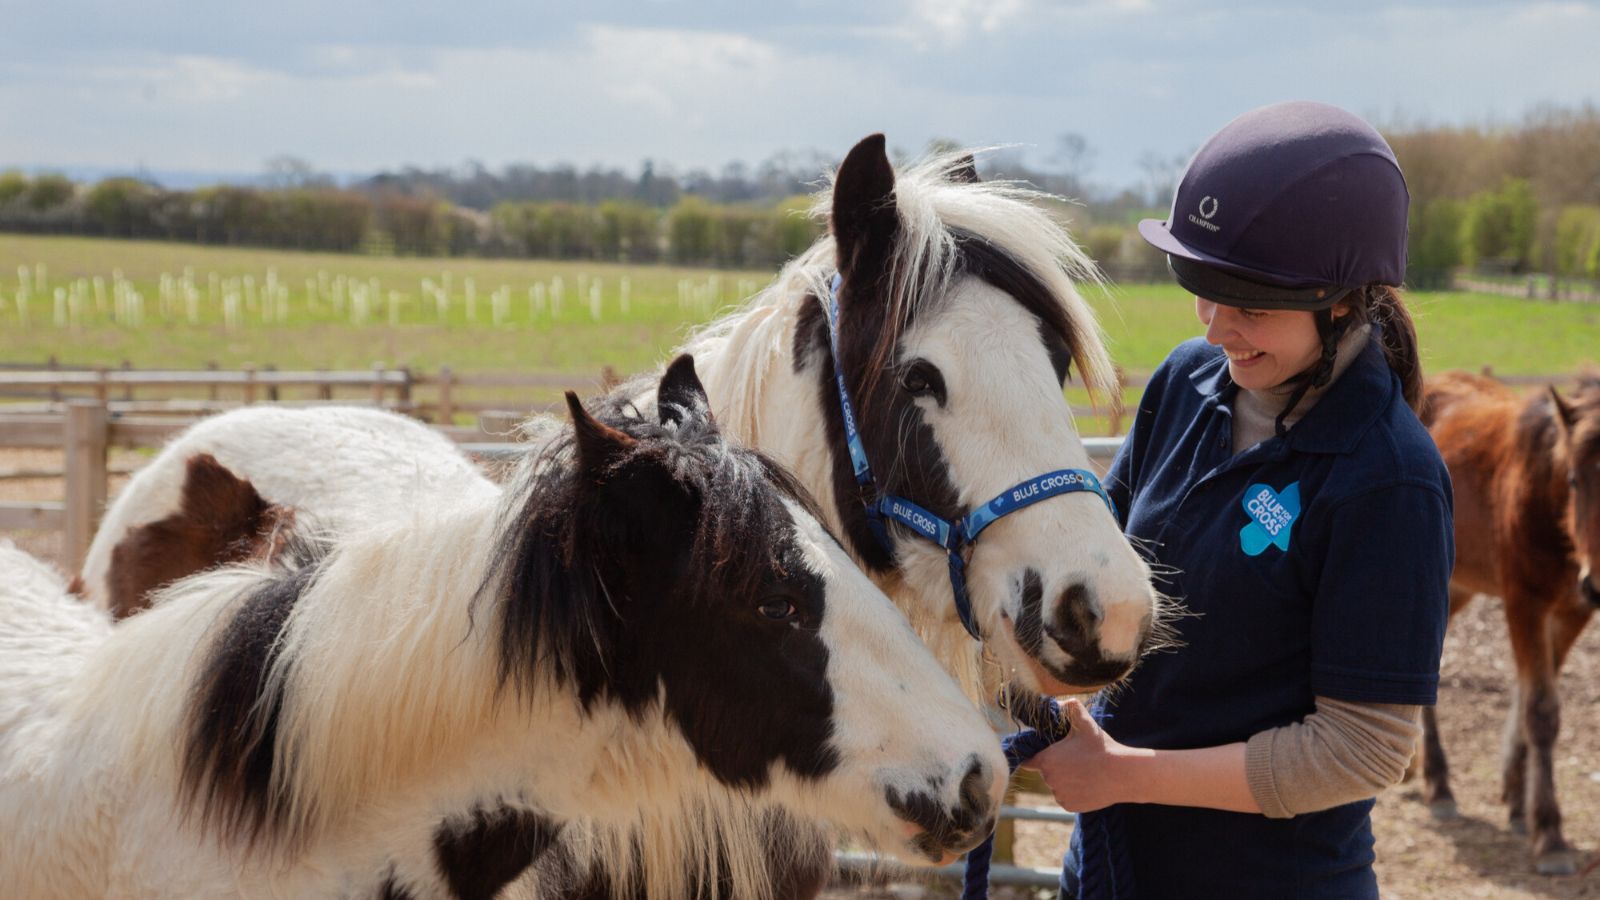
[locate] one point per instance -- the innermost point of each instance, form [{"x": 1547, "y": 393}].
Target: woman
[{"x": 1277, "y": 469}]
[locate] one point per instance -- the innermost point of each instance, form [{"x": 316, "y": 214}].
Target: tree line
[
  {"x": 690, "y": 231},
  {"x": 1509, "y": 198}
]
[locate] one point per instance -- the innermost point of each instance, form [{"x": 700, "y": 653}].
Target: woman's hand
[
  {"x": 1087, "y": 770},
  {"x": 1083, "y": 769}
]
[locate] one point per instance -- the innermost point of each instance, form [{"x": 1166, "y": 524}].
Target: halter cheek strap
[{"x": 956, "y": 536}]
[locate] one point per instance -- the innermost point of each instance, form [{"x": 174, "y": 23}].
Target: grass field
[{"x": 314, "y": 325}]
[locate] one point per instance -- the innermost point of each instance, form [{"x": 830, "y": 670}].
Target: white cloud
[{"x": 951, "y": 21}]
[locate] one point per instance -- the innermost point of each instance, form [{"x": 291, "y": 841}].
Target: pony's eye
[
  {"x": 776, "y": 609},
  {"x": 922, "y": 379}
]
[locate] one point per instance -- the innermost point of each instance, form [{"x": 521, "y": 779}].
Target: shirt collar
[{"x": 1340, "y": 419}]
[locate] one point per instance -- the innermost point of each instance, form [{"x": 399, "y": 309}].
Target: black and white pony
[
  {"x": 958, "y": 326},
  {"x": 648, "y": 630}
]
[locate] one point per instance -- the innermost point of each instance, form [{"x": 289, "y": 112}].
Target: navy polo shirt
[{"x": 1313, "y": 564}]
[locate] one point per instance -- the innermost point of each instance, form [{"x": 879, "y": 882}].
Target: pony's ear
[
  {"x": 1565, "y": 414},
  {"x": 963, "y": 171},
  {"x": 599, "y": 445},
  {"x": 681, "y": 396},
  {"x": 865, "y": 219}
]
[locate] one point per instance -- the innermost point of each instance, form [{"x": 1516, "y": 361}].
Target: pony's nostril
[
  {"x": 1076, "y": 619},
  {"x": 975, "y": 787}
]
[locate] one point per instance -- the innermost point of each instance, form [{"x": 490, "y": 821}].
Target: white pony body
[
  {"x": 334, "y": 467},
  {"x": 390, "y": 731}
]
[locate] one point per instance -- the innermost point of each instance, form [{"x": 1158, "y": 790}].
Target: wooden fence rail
[{"x": 87, "y": 427}]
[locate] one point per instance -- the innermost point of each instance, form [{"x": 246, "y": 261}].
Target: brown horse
[{"x": 1527, "y": 521}]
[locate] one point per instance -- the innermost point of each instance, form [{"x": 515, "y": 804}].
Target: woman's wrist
[
  {"x": 1212, "y": 777},
  {"x": 1135, "y": 769}
]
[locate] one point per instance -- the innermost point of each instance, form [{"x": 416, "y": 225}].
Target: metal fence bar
[
  {"x": 45, "y": 516},
  {"x": 866, "y": 867}
]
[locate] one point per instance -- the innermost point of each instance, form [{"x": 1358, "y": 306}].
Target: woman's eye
[{"x": 776, "y": 608}]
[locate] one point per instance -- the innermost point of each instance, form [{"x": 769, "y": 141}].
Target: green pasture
[{"x": 1142, "y": 322}]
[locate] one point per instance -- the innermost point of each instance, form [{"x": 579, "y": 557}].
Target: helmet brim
[
  {"x": 1221, "y": 281},
  {"x": 1231, "y": 290}
]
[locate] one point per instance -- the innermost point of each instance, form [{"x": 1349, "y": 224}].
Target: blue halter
[{"x": 952, "y": 536}]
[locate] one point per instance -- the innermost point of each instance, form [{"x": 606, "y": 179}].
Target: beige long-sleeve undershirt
[{"x": 1343, "y": 751}]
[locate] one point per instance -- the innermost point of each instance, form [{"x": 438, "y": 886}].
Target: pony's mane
[
  {"x": 949, "y": 225},
  {"x": 1585, "y": 401},
  {"x": 547, "y": 570}
]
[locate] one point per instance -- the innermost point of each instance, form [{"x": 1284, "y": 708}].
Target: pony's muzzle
[
  {"x": 953, "y": 814},
  {"x": 1101, "y": 641}
]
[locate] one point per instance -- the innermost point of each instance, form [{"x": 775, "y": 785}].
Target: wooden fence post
[
  {"x": 403, "y": 392},
  {"x": 377, "y": 384},
  {"x": 212, "y": 392},
  {"x": 447, "y": 410},
  {"x": 272, "y": 389},
  {"x": 85, "y": 445},
  {"x": 249, "y": 383}
]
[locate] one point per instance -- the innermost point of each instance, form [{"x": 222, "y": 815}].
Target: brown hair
[
  {"x": 1385, "y": 308},
  {"x": 1382, "y": 306}
]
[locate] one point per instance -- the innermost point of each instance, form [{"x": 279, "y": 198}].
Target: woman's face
[{"x": 1265, "y": 347}]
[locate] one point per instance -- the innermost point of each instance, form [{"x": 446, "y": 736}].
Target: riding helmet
[{"x": 1290, "y": 206}]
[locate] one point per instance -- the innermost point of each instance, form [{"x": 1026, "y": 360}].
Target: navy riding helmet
[{"x": 1290, "y": 206}]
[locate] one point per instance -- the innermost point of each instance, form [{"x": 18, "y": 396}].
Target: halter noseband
[{"x": 952, "y": 536}]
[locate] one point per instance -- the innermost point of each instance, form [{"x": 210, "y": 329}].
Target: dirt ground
[{"x": 1475, "y": 856}]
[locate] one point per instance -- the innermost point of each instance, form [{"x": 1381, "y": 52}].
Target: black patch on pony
[
  {"x": 645, "y": 560},
  {"x": 799, "y": 868},
  {"x": 230, "y": 745},
  {"x": 487, "y": 850}
]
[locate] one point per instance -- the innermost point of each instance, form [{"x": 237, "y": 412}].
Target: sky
[{"x": 356, "y": 86}]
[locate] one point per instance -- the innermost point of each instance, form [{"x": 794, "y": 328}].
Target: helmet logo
[{"x": 1208, "y": 208}]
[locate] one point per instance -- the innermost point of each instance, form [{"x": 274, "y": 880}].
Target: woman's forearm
[{"x": 1211, "y": 777}]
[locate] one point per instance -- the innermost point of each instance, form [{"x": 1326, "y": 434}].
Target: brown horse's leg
[
  {"x": 1514, "y": 764},
  {"x": 1567, "y": 622},
  {"x": 1539, "y": 708},
  {"x": 1435, "y": 768}
]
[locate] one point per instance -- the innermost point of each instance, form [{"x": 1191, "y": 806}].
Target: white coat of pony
[
  {"x": 392, "y": 718},
  {"x": 334, "y": 467}
]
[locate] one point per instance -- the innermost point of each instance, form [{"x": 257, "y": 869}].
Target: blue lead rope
[
  {"x": 1105, "y": 871},
  {"x": 953, "y": 537}
]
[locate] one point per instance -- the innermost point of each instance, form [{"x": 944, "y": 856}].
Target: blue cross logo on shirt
[{"x": 1272, "y": 514}]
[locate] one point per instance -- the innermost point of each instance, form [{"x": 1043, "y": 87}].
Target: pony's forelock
[{"x": 1011, "y": 218}]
